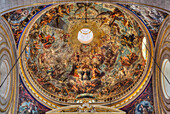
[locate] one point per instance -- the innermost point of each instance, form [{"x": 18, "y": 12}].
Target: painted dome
[{"x": 85, "y": 48}]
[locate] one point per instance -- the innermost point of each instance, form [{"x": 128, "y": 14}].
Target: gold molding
[
  {"x": 8, "y": 76},
  {"x": 119, "y": 104},
  {"x": 15, "y": 69},
  {"x": 158, "y": 54},
  {"x": 13, "y": 90},
  {"x": 22, "y": 70},
  {"x": 159, "y": 87},
  {"x": 4, "y": 38},
  {"x": 7, "y": 72},
  {"x": 64, "y": 1},
  {"x": 10, "y": 100},
  {"x": 164, "y": 77}
]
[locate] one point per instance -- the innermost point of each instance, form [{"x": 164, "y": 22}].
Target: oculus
[{"x": 85, "y": 36}]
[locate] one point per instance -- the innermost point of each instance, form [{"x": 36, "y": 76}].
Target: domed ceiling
[{"x": 85, "y": 49}]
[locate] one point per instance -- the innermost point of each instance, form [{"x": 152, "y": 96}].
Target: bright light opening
[{"x": 85, "y": 36}]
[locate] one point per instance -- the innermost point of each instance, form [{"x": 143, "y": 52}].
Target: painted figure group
[{"x": 104, "y": 67}]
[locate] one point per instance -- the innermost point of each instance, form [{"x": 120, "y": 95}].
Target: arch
[{"x": 161, "y": 54}]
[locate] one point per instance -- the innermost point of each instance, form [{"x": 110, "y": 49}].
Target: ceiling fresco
[
  {"x": 106, "y": 61},
  {"x": 153, "y": 18},
  {"x": 27, "y": 104},
  {"x": 143, "y": 104},
  {"x": 92, "y": 50},
  {"x": 18, "y": 19}
]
